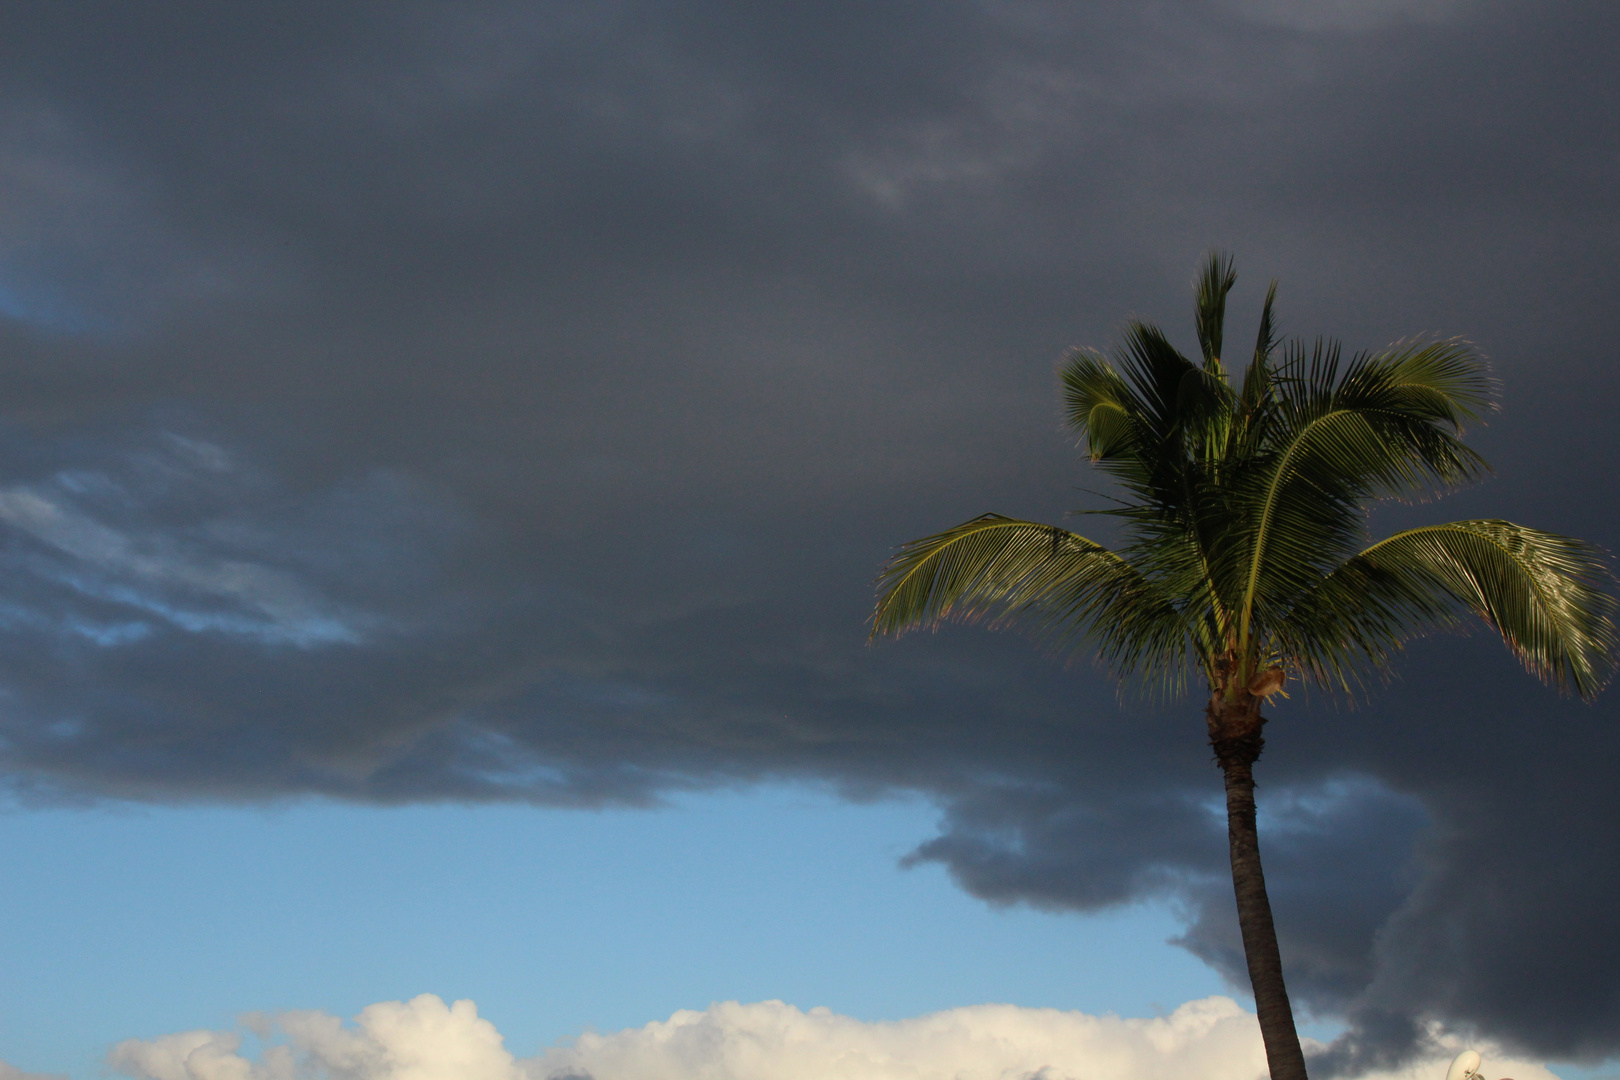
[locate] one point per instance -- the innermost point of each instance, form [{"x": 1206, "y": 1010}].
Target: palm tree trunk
[{"x": 1237, "y": 746}]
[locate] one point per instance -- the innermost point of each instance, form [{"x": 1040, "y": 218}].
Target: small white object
[{"x": 1465, "y": 1066}]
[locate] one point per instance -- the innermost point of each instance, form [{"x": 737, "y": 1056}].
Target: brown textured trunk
[{"x": 1234, "y": 732}]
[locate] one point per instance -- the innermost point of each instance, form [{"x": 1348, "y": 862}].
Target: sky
[{"x": 446, "y": 450}]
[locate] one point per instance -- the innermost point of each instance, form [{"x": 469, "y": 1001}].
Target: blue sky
[{"x": 143, "y": 921}]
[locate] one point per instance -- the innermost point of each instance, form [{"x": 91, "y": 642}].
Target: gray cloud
[
  {"x": 499, "y": 401},
  {"x": 11, "y": 1072}
]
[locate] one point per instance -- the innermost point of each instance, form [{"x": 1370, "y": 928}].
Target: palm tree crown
[{"x": 1244, "y": 517}]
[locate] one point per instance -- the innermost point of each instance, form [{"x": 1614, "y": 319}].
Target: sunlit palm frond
[
  {"x": 1389, "y": 423},
  {"x": 1101, "y": 409},
  {"x": 1061, "y": 587},
  {"x": 1448, "y": 378},
  {"x": 1343, "y": 434},
  {"x": 1542, "y": 592}
]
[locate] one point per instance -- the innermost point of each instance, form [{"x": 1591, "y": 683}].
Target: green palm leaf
[
  {"x": 1209, "y": 308},
  {"x": 1257, "y": 379},
  {"x": 1338, "y": 436},
  {"x": 1542, "y": 592},
  {"x": 1054, "y": 583},
  {"x": 1104, "y": 412}
]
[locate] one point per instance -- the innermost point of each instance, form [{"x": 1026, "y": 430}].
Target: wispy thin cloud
[{"x": 158, "y": 576}]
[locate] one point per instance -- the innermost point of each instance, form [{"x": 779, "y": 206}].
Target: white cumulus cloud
[
  {"x": 421, "y": 1039},
  {"x": 425, "y": 1039}
]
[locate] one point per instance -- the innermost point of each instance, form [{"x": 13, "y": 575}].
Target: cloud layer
[{"x": 423, "y": 1039}]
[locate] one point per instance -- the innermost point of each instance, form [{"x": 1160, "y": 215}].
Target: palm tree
[{"x": 1243, "y": 561}]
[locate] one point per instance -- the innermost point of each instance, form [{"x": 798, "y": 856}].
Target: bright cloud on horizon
[{"x": 425, "y": 1039}]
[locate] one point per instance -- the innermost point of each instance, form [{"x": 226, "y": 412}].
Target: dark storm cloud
[{"x": 481, "y": 401}]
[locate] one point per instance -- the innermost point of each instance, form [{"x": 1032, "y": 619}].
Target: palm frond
[
  {"x": 1155, "y": 370},
  {"x": 1098, "y": 405},
  {"x": 1542, "y": 592},
  {"x": 1343, "y": 434},
  {"x": 1257, "y": 378},
  {"x": 1138, "y": 423},
  {"x": 1449, "y": 377},
  {"x": 1060, "y": 587},
  {"x": 1392, "y": 422},
  {"x": 1209, "y": 308}
]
